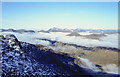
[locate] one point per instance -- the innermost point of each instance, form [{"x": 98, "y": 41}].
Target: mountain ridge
[{"x": 55, "y": 29}]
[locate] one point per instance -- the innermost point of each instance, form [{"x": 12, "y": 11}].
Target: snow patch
[
  {"x": 88, "y": 64},
  {"x": 111, "y": 68}
]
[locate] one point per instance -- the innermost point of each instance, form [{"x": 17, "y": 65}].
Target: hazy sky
[{"x": 45, "y": 15}]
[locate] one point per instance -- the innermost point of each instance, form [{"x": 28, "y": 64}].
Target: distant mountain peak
[{"x": 55, "y": 29}]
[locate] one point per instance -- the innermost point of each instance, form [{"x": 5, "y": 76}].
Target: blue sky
[{"x": 45, "y": 15}]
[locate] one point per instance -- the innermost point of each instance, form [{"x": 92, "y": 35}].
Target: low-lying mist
[{"x": 110, "y": 40}]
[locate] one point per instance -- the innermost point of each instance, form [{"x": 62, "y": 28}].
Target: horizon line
[{"x": 64, "y": 28}]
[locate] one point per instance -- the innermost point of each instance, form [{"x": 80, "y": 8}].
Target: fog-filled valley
[{"x": 110, "y": 40}]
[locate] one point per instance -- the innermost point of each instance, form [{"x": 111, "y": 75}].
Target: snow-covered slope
[
  {"x": 20, "y": 58},
  {"x": 17, "y": 62}
]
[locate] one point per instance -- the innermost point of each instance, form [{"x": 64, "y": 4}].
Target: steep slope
[{"x": 26, "y": 59}]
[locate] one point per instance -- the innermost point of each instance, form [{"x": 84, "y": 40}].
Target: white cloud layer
[{"x": 111, "y": 40}]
